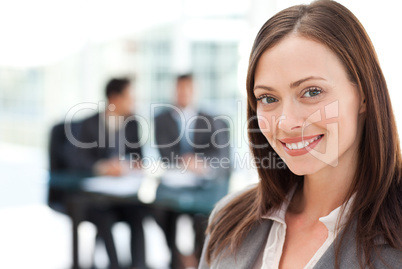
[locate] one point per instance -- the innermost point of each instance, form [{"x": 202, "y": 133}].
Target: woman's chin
[{"x": 302, "y": 170}]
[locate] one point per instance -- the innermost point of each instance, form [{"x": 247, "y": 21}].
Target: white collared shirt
[{"x": 276, "y": 238}]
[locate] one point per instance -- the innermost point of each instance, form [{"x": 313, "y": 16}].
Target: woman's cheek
[{"x": 264, "y": 125}]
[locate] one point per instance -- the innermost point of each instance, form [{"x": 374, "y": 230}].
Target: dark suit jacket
[
  {"x": 256, "y": 240},
  {"x": 61, "y": 152},
  {"x": 93, "y": 130},
  {"x": 211, "y": 140},
  {"x": 61, "y": 161}
]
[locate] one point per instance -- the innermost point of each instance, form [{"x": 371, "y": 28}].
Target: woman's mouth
[{"x": 300, "y": 145}]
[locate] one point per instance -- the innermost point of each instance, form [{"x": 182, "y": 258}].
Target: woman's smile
[{"x": 300, "y": 145}]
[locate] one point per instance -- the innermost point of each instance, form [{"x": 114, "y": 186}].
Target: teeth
[{"x": 300, "y": 145}]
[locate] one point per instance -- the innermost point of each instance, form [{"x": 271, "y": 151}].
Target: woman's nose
[{"x": 291, "y": 118}]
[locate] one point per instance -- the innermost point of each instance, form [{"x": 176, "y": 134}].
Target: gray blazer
[{"x": 256, "y": 240}]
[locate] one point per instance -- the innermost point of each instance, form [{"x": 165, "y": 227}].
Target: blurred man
[
  {"x": 112, "y": 133},
  {"x": 186, "y": 134},
  {"x": 187, "y": 137},
  {"x": 108, "y": 136}
]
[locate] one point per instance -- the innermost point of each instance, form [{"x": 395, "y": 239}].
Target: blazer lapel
[
  {"x": 347, "y": 255},
  {"x": 249, "y": 249}
]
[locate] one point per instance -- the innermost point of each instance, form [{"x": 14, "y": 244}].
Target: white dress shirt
[{"x": 273, "y": 249}]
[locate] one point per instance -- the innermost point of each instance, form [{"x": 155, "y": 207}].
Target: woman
[{"x": 317, "y": 98}]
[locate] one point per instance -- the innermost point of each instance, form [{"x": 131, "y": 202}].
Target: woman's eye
[
  {"x": 267, "y": 99},
  {"x": 311, "y": 92}
]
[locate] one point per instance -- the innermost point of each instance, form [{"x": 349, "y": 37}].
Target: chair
[
  {"x": 61, "y": 157},
  {"x": 62, "y": 165}
]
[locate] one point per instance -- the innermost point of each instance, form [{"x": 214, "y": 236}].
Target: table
[{"x": 197, "y": 198}]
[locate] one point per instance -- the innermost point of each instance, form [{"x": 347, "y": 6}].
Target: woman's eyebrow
[
  {"x": 300, "y": 81},
  {"x": 264, "y": 88},
  {"x": 292, "y": 85}
]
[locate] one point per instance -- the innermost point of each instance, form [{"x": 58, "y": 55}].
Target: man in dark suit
[
  {"x": 110, "y": 134},
  {"x": 188, "y": 137},
  {"x": 106, "y": 137}
]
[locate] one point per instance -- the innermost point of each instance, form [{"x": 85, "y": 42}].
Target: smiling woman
[
  {"x": 323, "y": 82},
  {"x": 318, "y": 97}
]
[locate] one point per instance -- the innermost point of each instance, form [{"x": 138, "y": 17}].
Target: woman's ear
[{"x": 362, "y": 108}]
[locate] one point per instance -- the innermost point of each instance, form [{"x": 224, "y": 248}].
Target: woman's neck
[{"x": 324, "y": 191}]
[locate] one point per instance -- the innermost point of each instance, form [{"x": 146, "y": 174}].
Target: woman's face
[{"x": 307, "y": 108}]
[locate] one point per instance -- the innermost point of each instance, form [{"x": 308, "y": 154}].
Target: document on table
[{"x": 118, "y": 186}]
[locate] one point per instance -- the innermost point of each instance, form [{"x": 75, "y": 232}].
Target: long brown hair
[{"x": 377, "y": 181}]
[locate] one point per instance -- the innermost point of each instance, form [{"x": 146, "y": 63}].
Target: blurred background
[{"x": 58, "y": 55}]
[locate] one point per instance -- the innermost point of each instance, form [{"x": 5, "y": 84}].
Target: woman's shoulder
[
  {"x": 389, "y": 257},
  {"x": 384, "y": 255}
]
